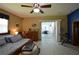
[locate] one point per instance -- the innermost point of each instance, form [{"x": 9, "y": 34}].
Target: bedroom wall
[
  {"x": 28, "y": 22},
  {"x": 74, "y": 16},
  {"x": 13, "y": 20}
]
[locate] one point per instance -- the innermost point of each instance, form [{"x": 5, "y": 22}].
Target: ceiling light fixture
[{"x": 36, "y": 10}]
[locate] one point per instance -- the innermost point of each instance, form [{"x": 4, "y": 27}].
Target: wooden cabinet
[{"x": 33, "y": 35}]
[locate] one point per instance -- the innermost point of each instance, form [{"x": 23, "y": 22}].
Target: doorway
[
  {"x": 50, "y": 29},
  {"x": 75, "y": 40}
]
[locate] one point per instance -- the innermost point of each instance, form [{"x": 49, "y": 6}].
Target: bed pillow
[
  {"x": 7, "y": 39},
  {"x": 15, "y": 38},
  {"x": 19, "y": 36},
  {"x": 2, "y": 42}
]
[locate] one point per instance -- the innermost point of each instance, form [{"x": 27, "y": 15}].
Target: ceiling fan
[{"x": 37, "y": 7}]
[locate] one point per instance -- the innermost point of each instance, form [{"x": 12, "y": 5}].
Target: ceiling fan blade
[
  {"x": 46, "y": 6},
  {"x": 25, "y": 6},
  {"x": 41, "y": 11},
  {"x": 31, "y": 11}
]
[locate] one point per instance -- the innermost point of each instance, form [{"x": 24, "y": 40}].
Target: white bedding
[{"x": 12, "y": 47}]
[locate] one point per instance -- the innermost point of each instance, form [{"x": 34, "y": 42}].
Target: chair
[
  {"x": 30, "y": 49},
  {"x": 64, "y": 38}
]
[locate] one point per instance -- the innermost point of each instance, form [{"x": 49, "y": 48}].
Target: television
[{"x": 3, "y": 23}]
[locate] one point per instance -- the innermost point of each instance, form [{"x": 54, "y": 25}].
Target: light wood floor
[{"x": 49, "y": 46}]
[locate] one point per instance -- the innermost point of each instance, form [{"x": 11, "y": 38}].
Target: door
[{"x": 75, "y": 40}]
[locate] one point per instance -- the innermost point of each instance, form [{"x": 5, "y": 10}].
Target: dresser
[{"x": 33, "y": 35}]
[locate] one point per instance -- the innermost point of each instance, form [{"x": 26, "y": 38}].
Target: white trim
[
  {"x": 58, "y": 26},
  {"x": 50, "y": 20}
]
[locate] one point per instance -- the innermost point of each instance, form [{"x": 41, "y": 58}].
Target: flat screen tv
[{"x": 3, "y": 26}]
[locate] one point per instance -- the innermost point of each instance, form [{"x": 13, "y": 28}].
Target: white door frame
[
  {"x": 57, "y": 27},
  {"x": 58, "y": 30}
]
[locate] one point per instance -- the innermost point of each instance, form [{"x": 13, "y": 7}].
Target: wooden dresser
[{"x": 33, "y": 35}]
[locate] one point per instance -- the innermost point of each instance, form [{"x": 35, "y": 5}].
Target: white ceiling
[{"x": 56, "y": 9}]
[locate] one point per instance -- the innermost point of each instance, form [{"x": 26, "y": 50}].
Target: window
[{"x": 3, "y": 25}]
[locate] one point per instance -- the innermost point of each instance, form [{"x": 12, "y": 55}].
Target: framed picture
[{"x": 34, "y": 25}]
